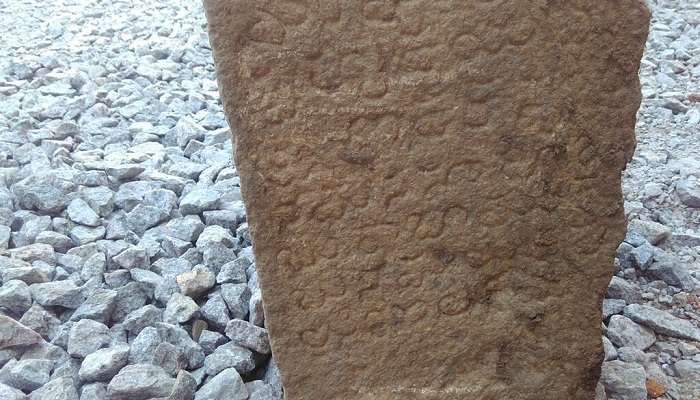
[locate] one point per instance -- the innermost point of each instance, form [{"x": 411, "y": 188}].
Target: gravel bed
[{"x": 126, "y": 267}]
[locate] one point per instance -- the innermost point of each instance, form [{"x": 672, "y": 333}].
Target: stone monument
[{"x": 433, "y": 187}]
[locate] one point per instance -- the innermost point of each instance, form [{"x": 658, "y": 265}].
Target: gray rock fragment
[
  {"x": 57, "y": 389},
  {"x": 80, "y": 212},
  {"x": 199, "y": 200},
  {"x": 259, "y": 390},
  {"x": 140, "y": 318},
  {"x": 27, "y": 375},
  {"x": 245, "y": 334},
  {"x": 10, "y": 393},
  {"x": 93, "y": 391},
  {"x": 13, "y": 333},
  {"x": 215, "y": 311},
  {"x": 229, "y": 355},
  {"x": 87, "y": 336},
  {"x": 15, "y": 297},
  {"x": 102, "y": 365},
  {"x": 180, "y": 309},
  {"x": 652, "y": 231},
  {"x": 185, "y": 387},
  {"x": 99, "y": 306},
  {"x": 210, "y": 340},
  {"x": 662, "y": 322},
  {"x": 227, "y": 385},
  {"x": 233, "y": 271},
  {"x": 689, "y": 192},
  {"x": 140, "y": 382},
  {"x": 237, "y": 298},
  {"x": 624, "y": 381},
  {"x": 622, "y": 331},
  {"x": 60, "y": 293}
]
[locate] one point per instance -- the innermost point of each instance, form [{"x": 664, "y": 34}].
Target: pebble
[
  {"x": 259, "y": 390},
  {"x": 623, "y": 332},
  {"x": 245, "y": 334},
  {"x": 80, "y": 212},
  {"x": 199, "y": 200},
  {"x": 15, "y": 297},
  {"x": 226, "y": 385},
  {"x": 229, "y": 355},
  {"x": 26, "y": 375},
  {"x": 140, "y": 382},
  {"x": 689, "y": 192},
  {"x": 196, "y": 282},
  {"x": 624, "y": 381},
  {"x": 654, "y": 232},
  {"x": 180, "y": 309},
  {"x": 59, "y": 293},
  {"x": 87, "y": 336},
  {"x": 103, "y": 364},
  {"x": 662, "y": 322},
  {"x": 56, "y": 389}
]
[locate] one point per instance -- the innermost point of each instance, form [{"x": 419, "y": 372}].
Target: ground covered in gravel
[{"x": 126, "y": 265}]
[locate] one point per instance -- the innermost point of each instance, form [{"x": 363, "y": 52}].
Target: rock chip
[
  {"x": 652, "y": 231},
  {"x": 103, "y": 364},
  {"x": 624, "y": 381},
  {"x": 10, "y": 393},
  {"x": 245, "y": 334},
  {"x": 662, "y": 322},
  {"x": 229, "y": 355},
  {"x": 59, "y": 293},
  {"x": 227, "y": 385},
  {"x": 689, "y": 192},
  {"x": 622, "y": 331},
  {"x": 196, "y": 282},
  {"x": 140, "y": 382},
  {"x": 180, "y": 309},
  {"x": 80, "y": 212},
  {"x": 27, "y": 375},
  {"x": 56, "y": 389},
  {"x": 15, "y": 297},
  {"x": 87, "y": 336}
]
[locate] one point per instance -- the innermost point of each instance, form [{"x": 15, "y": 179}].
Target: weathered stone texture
[{"x": 433, "y": 187}]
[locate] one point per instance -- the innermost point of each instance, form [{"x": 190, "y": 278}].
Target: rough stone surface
[
  {"x": 662, "y": 322},
  {"x": 13, "y": 333},
  {"x": 622, "y": 331},
  {"x": 227, "y": 385},
  {"x": 140, "y": 382},
  {"x": 624, "y": 381},
  {"x": 444, "y": 179},
  {"x": 103, "y": 364}
]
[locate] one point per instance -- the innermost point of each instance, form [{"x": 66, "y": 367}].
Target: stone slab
[{"x": 433, "y": 187}]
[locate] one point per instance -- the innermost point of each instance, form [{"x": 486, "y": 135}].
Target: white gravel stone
[
  {"x": 245, "y": 334},
  {"x": 103, "y": 364},
  {"x": 87, "y": 336},
  {"x": 140, "y": 382},
  {"x": 196, "y": 282},
  {"x": 227, "y": 385},
  {"x": 80, "y": 212}
]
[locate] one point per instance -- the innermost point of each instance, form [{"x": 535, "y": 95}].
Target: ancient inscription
[{"x": 433, "y": 187}]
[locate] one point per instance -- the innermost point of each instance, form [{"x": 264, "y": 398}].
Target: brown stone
[
  {"x": 433, "y": 187},
  {"x": 655, "y": 388}
]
